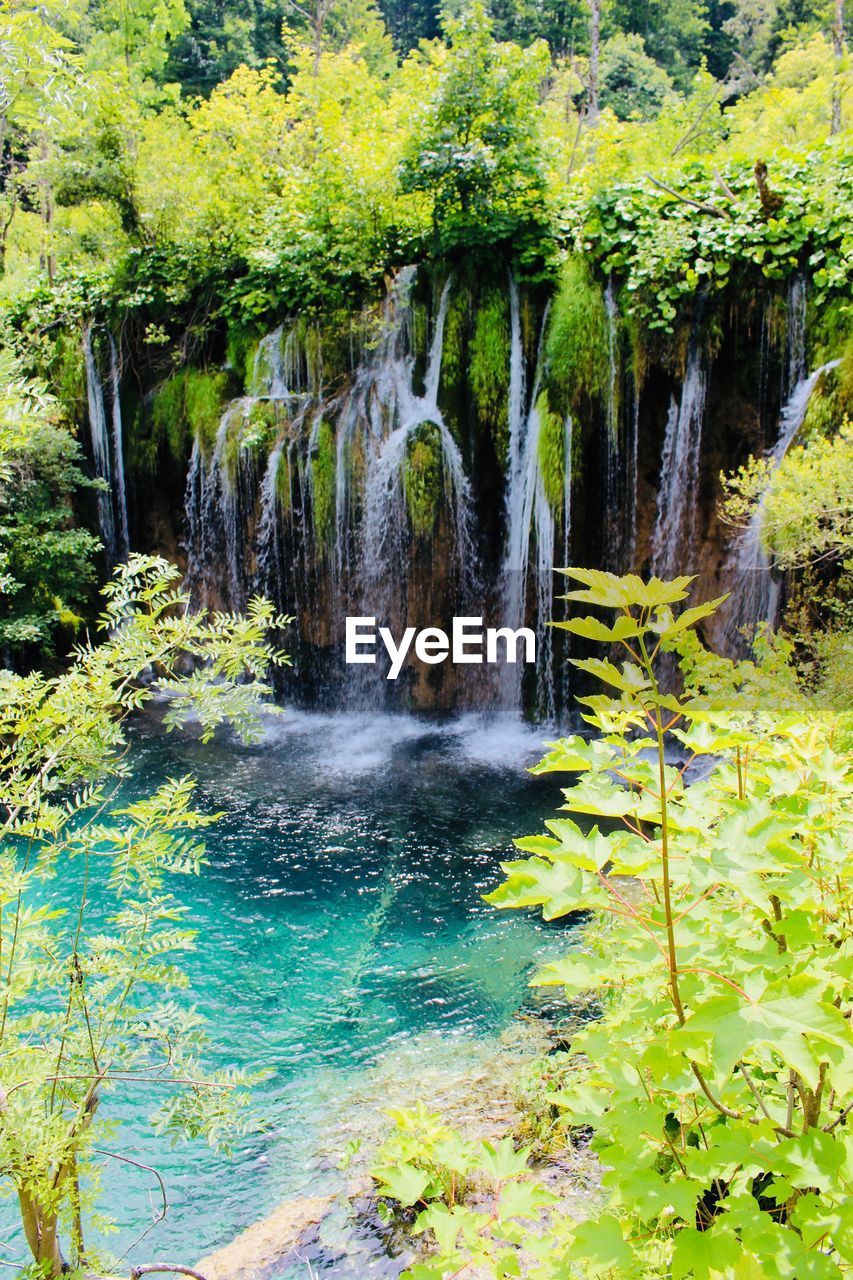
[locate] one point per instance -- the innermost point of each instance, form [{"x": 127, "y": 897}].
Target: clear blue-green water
[{"x": 342, "y": 942}]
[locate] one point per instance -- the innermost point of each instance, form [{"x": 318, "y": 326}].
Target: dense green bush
[{"x": 46, "y": 558}]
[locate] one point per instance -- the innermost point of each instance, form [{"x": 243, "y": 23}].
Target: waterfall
[
  {"x": 269, "y": 568},
  {"x": 528, "y": 511},
  {"x": 674, "y": 539},
  {"x": 385, "y": 524},
  {"x": 756, "y": 593},
  {"x": 795, "y": 341},
  {"x": 323, "y": 525},
  {"x": 107, "y": 448},
  {"x": 215, "y": 544}
]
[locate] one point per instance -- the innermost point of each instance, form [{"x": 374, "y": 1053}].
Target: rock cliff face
[{"x": 437, "y": 454}]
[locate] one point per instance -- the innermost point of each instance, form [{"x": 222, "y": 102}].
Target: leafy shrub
[
  {"x": 632, "y": 83},
  {"x": 717, "y": 1080}
]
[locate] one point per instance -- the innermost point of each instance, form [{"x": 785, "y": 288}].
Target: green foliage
[
  {"x": 538, "y": 1095},
  {"x": 86, "y": 1009},
  {"x": 551, "y": 447},
  {"x": 488, "y": 369},
  {"x": 666, "y": 249},
  {"x": 475, "y": 149},
  {"x": 46, "y": 561},
  {"x": 632, "y": 83},
  {"x": 428, "y": 1165},
  {"x": 323, "y": 469},
  {"x": 673, "y": 31},
  {"x": 807, "y": 502},
  {"x": 721, "y": 980},
  {"x": 577, "y": 339},
  {"x": 717, "y": 1079}
]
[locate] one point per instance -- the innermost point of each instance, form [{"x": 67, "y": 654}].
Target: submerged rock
[{"x": 264, "y": 1247}]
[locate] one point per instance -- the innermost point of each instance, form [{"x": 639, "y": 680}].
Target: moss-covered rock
[
  {"x": 489, "y": 367},
  {"x": 577, "y": 344},
  {"x": 551, "y": 452},
  {"x": 323, "y": 483},
  {"x": 188, "y": 405},
  {"x": 423, "y": 479}
]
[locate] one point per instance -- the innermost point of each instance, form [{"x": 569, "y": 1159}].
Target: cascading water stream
[
  {"x": 795, "y": 342},
  {"x": 215, "y": 550},
  {"x": 674, "y": 539},
  {"x": 528, "y": 511},
  {"x": 107, "y": 448},
  {"x": 269, "y": 570},
  {"x": 385, "y": 525},
  {"x": 756, "y": 593}
]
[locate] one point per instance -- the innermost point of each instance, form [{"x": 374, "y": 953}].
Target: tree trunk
[
  {"x": 838, "y": 44},
  {"x": 594, "y": 51},
  {"x": 41, "y": 1230}
]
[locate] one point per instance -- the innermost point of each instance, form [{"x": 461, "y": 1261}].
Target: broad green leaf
[
  {"x": 601, "y": 1243},
  {"x": 704, "y": 1254},
  {"x": 503, "y": 1161},
  {"x": 404, "y": 1183}
]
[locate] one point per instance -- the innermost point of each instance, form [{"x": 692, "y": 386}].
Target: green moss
[
  {"x": 188, "y": 405},
  {"x": 577, "y": 340},
  {"x": 420, "y": 329},
  {"x": 323, "y": 472},
  {"x": 489, "y": 367},
  {"x": 423, "y": 479},
  {"x": 551, "y": 452},
  {"x": 283, "y": 481},
  {"x": 455, "y": 329},
  {"x": 205, "y": 397},
  {"x": 832, "y": 399},
  {"x": 240, "y": 348},
  {"x": 247, "y": 365}
]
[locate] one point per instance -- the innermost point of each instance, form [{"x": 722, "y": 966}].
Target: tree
[
  {"x": 138, "y": 33},
  {"x": 329, "y": 26},
  {"x": 38, "y": 86},
  {"x": 715, "y": 890},
  {"x": 673, "y": 31},
  {"x": 410, "y": 21},
  {"x": 476, "y": 148},
  {"x": 839, "y": 48},
  {"x": 751, "y": 30},
  {"x": 97, "y": 993},
  {"x": 46, "y": 559},
  {"x": 632, "y": 83},
  {"x": 594, "y": 54}
]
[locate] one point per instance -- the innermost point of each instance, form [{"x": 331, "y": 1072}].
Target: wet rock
[{"x": 266, "y": 1246}]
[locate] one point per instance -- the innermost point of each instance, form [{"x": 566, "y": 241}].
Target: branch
[
  {"x": 150, "y": 1268},
  {"x": 696, "y": 204}
]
